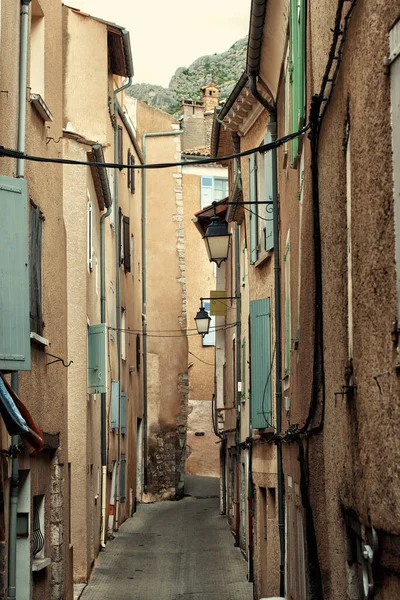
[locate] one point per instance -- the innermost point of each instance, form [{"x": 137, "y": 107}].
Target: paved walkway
[{"x": 171, "y": 551}]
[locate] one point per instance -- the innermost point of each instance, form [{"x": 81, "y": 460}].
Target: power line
[{"x": 201, "y": 161}]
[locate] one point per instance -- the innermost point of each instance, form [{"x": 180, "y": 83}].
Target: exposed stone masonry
[{"x": 56, "y": 530}]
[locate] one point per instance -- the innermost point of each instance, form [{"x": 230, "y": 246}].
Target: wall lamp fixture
[
  {"x": 217, "y": 238},
  {"x": 203, "y": 319}
]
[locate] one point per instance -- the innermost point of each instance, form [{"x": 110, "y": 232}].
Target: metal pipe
[
  {"x": 256, "y": 93},
  {"x": 103, "y": 395},
  {"x": 12, "y": 542},
  {"x": 117, "y": 293},
  {"x": 23, "y": 60},
  {"x": 144, "y": 292},
  {"x": 278, "y": 366}
]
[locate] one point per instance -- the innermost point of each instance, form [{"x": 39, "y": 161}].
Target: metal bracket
[{"x": 58, "y": 359}]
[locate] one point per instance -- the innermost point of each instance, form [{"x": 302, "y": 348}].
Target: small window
[
  {"x": 220, "y": 189},
  {"x": 36, "y": 227},
  {"x": 209, "y": 339},
  {"x": 38, "y": 527}
]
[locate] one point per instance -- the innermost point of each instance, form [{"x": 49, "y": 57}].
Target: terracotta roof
[{"x": 200, "y": 151}]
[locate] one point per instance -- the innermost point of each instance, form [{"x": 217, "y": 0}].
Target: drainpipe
[
  {"x": 23, "y": 59},
  {"x": 104, "y": 395},
  {"x": 117, "y": 293},
  {"x": 144, "y": 292},
  {"x": 272, "y": 126},
  {"x": 238, "y": 363}
]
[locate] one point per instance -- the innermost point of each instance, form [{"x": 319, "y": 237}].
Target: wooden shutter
[
  {"x": 15, "y": 350},
  {"x": 121, "y": 236},
  {"x": 133, "y": 183},
  {"x": 298, "y": 59},
  {"x": 114, "y": 404},
  {"x": 123, "y": 413},
  {"x": 253, "y": 209},
  {"x": 127, "y": 245},
  {"x": 97, "y": 372},
  {"x": 138, "y": 352},
  {"x": 269, "y": 196},
  {"x": 120, "y": 146},
  {"x": 260, "y": 364},
  {"x": 36, "y": 219},
  {"x": 129, "y": 171},
  {"x": 122, "y": 479}
]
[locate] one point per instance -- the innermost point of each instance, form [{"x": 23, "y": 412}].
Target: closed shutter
[
  {"x": 297, "y": 47},
  {"x": 253, "y": 209},
  {"x": 260, "y": 364},
  {"x": 122, "y": 479},
  {"x": 127, "y": 246},
  {"x": 129, "y": 170},
  {"x": 114, "y": 404},
  {"x": 120, "y": 146},
  {"x": 97, "y": 373},
  {"x": 133, "y": 183},
  {"x": 36, "y": 220},
  {"x": 269, "y": 196},
  {"x": 123, "y": 413},
  {"x": 15, "y": 350}
]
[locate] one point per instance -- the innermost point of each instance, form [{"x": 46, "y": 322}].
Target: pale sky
[{"x": 167, "y": 34}]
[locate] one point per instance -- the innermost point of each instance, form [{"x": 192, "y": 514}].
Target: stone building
[
  {"x": 197, "y": 116},
  {"x": 102, "y": 213},
  {"x": 36, "y": 553},
  {"x": 319, "y": 466}
]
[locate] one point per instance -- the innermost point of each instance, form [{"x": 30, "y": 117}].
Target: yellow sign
[{"x": 218, "y": 307}]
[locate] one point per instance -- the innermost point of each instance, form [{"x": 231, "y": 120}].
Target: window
[
  {"x": 36, "y": 226},
  {"x": 90, "y": 234},
  {"x": 123, "y": 334},
  {"x": 212, "y": 189},
  {"x": 288, "y": 326},
  {"x": 261, "y": 189},
  {"x": 126, "y": 244},
  {"x": 297, "y": 64},
  {"x": 96, "y": 359},
  {"x": 37, "y": 50},
  {"x": 131, "y": 172},
  {"x": 38, "y": 527},
  {"x": 114, "y": 404},
  {"x": 253, "y": 209},
  {"x": 209, "y": 339},
  {"x": 260, "y": 364}
]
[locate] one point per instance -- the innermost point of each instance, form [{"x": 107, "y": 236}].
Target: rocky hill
[{"x": 224, "y": 69}]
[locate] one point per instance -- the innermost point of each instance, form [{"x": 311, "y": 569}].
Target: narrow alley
[{"x": 170, "y": 550}]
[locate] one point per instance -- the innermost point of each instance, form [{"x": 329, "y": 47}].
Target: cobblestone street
[{"x": 173, "y": 550}]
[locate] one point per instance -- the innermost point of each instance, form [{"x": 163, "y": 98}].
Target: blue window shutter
[
  {"x": 253, "y": 208},
  {"x": 123, "y": 413},
  {"x": 122, "y": 479},
  {"x": 15, "y": 351},
  {"x": 269, "y": 196},
  {"x": 260, "y": 364},
  {"x": 97, "y": 372},
  {"x": 114, "y": 404},
  {"x": 206, "y": 192}
]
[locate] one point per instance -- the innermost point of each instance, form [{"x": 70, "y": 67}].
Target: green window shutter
[
  {"x": 97, "y": 372},
  {"x": 114, "y": 404},
  {"x": 253, "y": 208},
  {"x": 260, "y": 364},
  {"x": 123, "y": 413},
  {"x": 269, "y": 196},
  {"x": 15, "y": 350},
  {"x": 122, "y": 479},
  {"x": 297, "y": 59}
]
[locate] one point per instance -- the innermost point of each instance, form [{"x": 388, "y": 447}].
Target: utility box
[{"x": 15, "y": 347}]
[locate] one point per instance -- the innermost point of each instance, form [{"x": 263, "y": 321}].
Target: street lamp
[
  {"x": 203, "y": 320},
  {"x": 217, "y": 239}
]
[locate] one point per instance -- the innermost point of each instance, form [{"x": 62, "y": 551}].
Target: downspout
[
  {"x": 144, "y": 293},
  {"x": 278, "y": 364},
  {"x": 117, "y": 293},
  {"x": 104, "y": 395},
  {"x": 14, "y": 484},
  {"x": 237, "y": 357}
]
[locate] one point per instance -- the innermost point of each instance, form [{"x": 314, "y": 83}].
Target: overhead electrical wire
[{"x": 8, "y": 152}]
